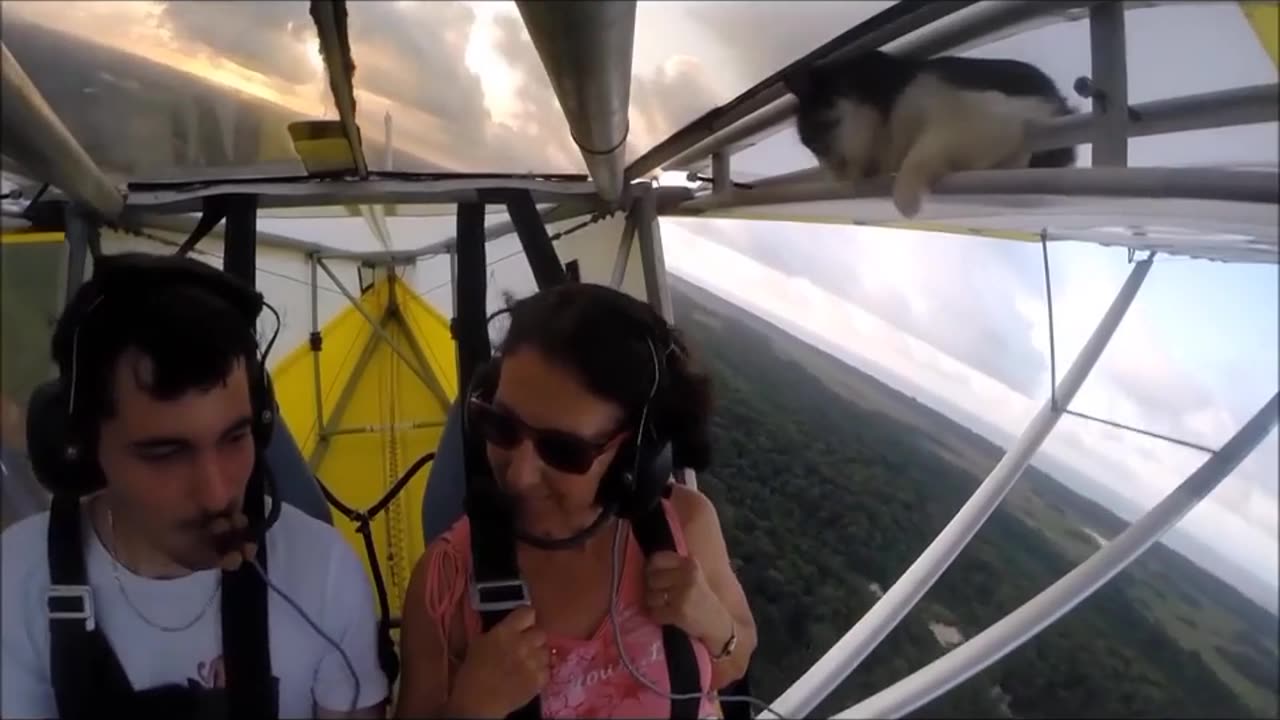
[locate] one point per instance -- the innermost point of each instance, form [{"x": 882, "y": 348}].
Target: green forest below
[{"x": 824, "y": 501}]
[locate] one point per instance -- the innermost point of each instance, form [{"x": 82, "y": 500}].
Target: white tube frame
[
  {"x": 1192, "y": 183},
  {"x": 652, "y": 260},
  {"x": 1246, "y": 105},
  {"x": 37, "y": 138},
  {"x": 1033, "y": 616},
  {"x": 834, "y": 666},
  {"x": 1111, "y": 76},
  {"x": 980, "y": 24}
]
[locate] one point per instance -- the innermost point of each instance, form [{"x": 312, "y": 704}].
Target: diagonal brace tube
[
  {"x": 377, "y": 328},
  {"x": 832, "y": 668},
  {"x": 1022, "y": 624}
]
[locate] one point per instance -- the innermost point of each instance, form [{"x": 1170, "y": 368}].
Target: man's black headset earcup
[{"x": 62, "y": 462}]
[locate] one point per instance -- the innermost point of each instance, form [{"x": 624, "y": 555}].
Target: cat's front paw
[{"x": 907, "y": 200}]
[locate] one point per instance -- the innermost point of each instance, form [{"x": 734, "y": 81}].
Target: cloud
[
  {"x": 413, "y": 53},
  {"x": 272, "y": 38},
  {"x": 1138, "y": 380},
  {"x": 762, "y": 38},
  {"x": 675, "y": 94},
  {"x": 950, "y": 291}
]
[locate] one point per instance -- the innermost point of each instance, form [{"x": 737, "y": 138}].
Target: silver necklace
[{"x": 115, "y": 571}]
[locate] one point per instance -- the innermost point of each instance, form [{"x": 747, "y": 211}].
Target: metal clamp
[
  {"x": 502, "y": 589},
  {"x": 84, "y": 612}
]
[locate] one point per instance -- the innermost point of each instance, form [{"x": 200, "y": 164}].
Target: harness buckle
[
  {"x": 499, "y": 595},
  {"x": 69, "y": 610}
]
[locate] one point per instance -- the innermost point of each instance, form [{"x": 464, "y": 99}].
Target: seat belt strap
[
  {"x": 246, "y": 640},
  {"x": 653, "y": 534},
  {"x": 496, "y": 587},
  {"x": 87, "y": 677}
]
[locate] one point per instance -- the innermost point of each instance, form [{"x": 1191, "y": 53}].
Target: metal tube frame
[
  {"x": 652, "y": 260},
  {"x": 653, "y": 263},
  {"x": 83, "y": 239},
  {"x": 887, "y": 25},
  {"x": 586, "y": 50},
  {"x": 344, "y": 398},
  {"x": 1033, "y": 616},
  {"x": 949, "y": 30},
  {"x": 1242, "y": 186},
  {"x": 421, "y": 372},
  {"x": 316, "y": 340},
  {"x": 625, "y": 242},
  {"x": 394, "y": 427},
  {"x": 433, "y": 385},
  {"x": 1203, "y": 111},
  {"x": 330, "y": 17},
  {"x": 834, "y": 666},
  {"x": 1111, "y": 77},
  {"x": 38, "y": 140},
  {"x": 185, "y": 197},
  {"x": 721, "y": 173}
]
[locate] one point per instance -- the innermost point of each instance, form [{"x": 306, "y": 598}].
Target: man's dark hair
[
  {"x": 192, "y": 337},
  {"x": 599, "y": 334}
]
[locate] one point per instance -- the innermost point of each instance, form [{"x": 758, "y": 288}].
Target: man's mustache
[{"x": 205, "y": 521}]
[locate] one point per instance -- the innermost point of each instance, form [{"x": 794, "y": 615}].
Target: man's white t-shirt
[{"x": 306, "y": 558}]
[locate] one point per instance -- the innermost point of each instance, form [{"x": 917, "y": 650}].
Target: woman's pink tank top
[{"x": 588, "y": 679}]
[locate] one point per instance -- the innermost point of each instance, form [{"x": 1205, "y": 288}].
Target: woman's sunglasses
[{"x": 560, "y": 450}]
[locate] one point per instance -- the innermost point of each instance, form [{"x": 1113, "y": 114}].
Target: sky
[
  {"x": 962, "y": 317},
  {"x": 965, "y": 319}
]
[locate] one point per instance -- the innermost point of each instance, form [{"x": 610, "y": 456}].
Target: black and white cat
[{"x": 876, "y": 114}]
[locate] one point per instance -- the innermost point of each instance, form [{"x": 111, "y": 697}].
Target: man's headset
[
  {"x": 63, "y": 442},
  {"x": 639, "y": 474}
]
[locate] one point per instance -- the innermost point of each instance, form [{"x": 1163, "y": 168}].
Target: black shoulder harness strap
[
  {"x": 497, "y": 589},
  {"x": 88, "y": 679},
  {"x": 246, "y": 639},
  {"x": 653, "y": 534}
]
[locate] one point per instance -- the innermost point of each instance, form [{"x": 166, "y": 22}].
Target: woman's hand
[
  {"x": 677, "y": 593},
  {"x": 504, "y": 669}
]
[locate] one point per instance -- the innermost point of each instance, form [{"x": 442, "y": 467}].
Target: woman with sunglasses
[{"x": 575, "y": 383}]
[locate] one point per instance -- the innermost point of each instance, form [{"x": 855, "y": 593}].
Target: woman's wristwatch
[{"x": 729, "y": 644}]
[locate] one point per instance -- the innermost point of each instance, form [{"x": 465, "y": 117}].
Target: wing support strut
[
  {"x": 39, "y": 141},
  {"x": 848, "y": 652},
  {"x": 1059, "y": 598}
]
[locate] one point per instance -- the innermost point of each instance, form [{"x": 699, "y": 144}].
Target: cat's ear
[{"x": 800, "y": 83}]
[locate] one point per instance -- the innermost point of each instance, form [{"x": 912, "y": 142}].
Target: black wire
[
  {"x": 1053, "y": 366},
  {"x": 346, "y": 659},
  {"x": 1048, "y": 294}
]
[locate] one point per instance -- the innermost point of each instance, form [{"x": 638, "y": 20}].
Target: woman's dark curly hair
[{"x": 603, "y": 336}]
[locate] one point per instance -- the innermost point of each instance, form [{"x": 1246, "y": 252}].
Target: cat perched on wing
[{"x": 878, "y": 114}]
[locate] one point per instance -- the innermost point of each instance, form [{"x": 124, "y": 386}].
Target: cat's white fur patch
[{"x": 934, "y": 128}]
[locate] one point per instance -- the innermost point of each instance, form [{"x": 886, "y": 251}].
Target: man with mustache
[{"x": 159, "y": 371}]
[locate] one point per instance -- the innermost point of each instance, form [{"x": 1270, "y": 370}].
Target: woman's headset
[
  {"x": 61, "y": 439},
  {"x": 639, "y": 474}
]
